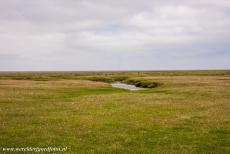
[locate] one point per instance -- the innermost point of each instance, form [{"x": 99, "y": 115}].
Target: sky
[{"x": 77, "y": 35}]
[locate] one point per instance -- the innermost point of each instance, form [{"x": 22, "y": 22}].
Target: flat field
[{"x": 188, "y": 112}]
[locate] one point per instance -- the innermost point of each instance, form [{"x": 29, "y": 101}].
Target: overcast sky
[{"x": 114, "y": 34}]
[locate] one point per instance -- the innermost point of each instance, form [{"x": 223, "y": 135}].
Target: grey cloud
[{"x": 127, "y": 34}]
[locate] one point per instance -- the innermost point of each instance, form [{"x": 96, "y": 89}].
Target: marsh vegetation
[{"x": 180, "y": 112}]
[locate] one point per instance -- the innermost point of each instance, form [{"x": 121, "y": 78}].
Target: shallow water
[{"x": 126, "y": 86}]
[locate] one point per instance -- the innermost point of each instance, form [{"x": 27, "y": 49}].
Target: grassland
[{"x": 188, "y": 112}]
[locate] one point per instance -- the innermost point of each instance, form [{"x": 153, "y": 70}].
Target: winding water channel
[{"x": 126, "y": 86}]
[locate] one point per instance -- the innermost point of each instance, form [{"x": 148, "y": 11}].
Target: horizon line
[{"x": 131, "y": 70}]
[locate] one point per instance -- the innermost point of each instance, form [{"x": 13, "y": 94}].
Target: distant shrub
[
  {"x": 142, "y": 83},
  {"x": 106, "y": 79},
  {"x": 120, "y": 78},
  {"x": 100, "y": 79}
]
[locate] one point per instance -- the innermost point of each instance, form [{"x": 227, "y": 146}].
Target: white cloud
[{"x": 108, "y": 32}]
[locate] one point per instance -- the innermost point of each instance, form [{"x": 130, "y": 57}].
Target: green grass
[{"x": 187, "y": 113}]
